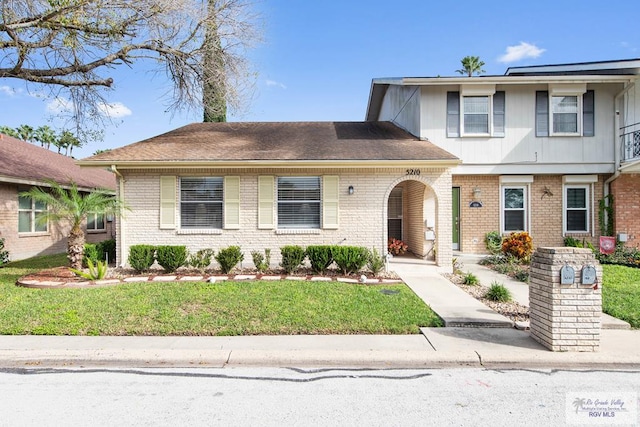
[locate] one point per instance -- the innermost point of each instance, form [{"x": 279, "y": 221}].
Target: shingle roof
[
  {"x": 22, "y": 161},
  {"x": 289, "y": 141}
]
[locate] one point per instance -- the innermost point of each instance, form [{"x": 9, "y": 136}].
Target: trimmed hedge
[
  {"x": 350, "y": 259},
  {"x": 292, "y": 257},
  {"x": 171, "y": 257},
  {"x": 320, "y": 257},
  {"x": 141, "y": 257},
  {"x": 229, "y": 257}
]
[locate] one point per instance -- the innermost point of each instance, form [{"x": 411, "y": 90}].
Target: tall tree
[
  {"x": 68, "y": 140},
  {"x": 25, "y": 132},
  {"x": 71, "y": 46},
  {"x": 9, "y": 131},
  {"x": 213, "y": 72},
  {"x": 45, "y": 136},
  {"x": 72, "y": 206},
  {"x": 471, "y": 65}
]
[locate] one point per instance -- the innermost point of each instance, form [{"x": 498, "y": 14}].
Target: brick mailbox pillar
[{"x": 565, "y": 299}]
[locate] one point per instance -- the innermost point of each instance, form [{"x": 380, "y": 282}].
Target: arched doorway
[{"x": 411, "y": 216}]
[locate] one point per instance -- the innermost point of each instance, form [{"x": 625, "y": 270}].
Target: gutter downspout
[
  {"x": 617, "y": 148},
  {"x": 120, "y": 224}
]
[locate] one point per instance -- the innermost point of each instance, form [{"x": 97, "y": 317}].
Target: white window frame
[
  {"x": 586, "y": 209},
  {"x": 517, "y": 182},
  {"x": 278, "y": 201},
  {"x": 33, "y": 213},
  {"x": 489, "y": 115},
  {"x": 579, "y": 113},
  {"x": 220, "y": 202},
  {"x": 579, "y": 181},
  {"x": 95, "y": 217}
]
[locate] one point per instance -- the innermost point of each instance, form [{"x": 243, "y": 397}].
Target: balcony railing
[{"x": 630, "y": 142}]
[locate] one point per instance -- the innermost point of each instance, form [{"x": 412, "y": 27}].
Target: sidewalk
[{"x": 489, "y": 341}]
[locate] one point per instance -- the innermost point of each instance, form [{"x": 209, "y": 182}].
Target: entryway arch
[{"x": 411, "y": 214}]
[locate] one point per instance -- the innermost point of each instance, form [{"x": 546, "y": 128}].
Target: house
[
  {"x": 267, "y": 185},
  {"x": 24, "y": 165},
  {"x": 542, "y": 147}
]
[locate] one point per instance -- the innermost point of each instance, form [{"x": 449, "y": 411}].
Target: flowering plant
[{"x": 397, "y": 247}]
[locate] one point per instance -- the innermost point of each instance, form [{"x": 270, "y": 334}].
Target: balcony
[{"x": 630, "y": 136}]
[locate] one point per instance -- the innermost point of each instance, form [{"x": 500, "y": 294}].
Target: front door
[{"x": 455, "y": 220}]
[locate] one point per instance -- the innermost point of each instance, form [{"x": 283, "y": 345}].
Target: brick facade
[
  {"x": 545, "y": 213},
  {"x": 626, "y": 207},
  {"x": 362, "y": 215},
  {"x": 26, "y": 245}
]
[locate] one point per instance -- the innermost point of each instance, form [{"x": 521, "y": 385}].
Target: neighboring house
[
  {"x": 24, "y": 165},
  {"x": 267, "y": 185},
  {"x": 540, "y": 147}
]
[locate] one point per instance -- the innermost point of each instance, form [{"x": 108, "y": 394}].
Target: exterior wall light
[
  {"x": 351, "y": 190},
  {"x": 477, "y": 193}
]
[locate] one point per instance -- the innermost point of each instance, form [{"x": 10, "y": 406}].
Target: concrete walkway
[
  {"x": 454, "y": 306},
  {"x": 518, "y": 289}
]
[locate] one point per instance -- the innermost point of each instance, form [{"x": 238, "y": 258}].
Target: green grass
[
  {"x": 621, "y": 293},
  {"x": 201, "y": 308}
]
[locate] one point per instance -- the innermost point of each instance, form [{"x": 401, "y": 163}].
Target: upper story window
[
  {"x": 95, "y": 222},
  {"x": 201, "y": 202},
  {"x": 299, "y": 201},
  {"x": 29, "y": 211},
  {"x": 567, "y": 110},
  {"x": 482, "y": 112}
]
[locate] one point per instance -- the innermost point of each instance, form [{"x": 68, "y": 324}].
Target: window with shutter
[
  {"x": 330, "y": 202},
  {"x": 298, "y": 202},
  {"x": 201, "y": 202},
  {"x": 265, "y": 202}
]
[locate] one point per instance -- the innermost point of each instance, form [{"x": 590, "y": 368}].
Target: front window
[
  {"x": 29, "y": 211},
  {"x": 299, "y": 202},
  {"x": 476, "y": 115},
  {"x": 201, "y": 200},
  {"x": 514, "y": 209},
  {"x": 577, "y": 209},
  {"x": 95, "y": 222},
  {"x": 564, "y": 111}
]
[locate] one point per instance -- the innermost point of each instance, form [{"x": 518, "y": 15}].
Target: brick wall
[
  {"x": 363, "y": 215},
  {"x": 545, "y": 211},
  {"x": 27, "y": 245},
  {"x": 626, "y": 205}
]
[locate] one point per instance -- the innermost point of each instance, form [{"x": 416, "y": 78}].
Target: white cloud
[
  {"x": 59, "y": 105},
  {"x": 521, "y": 51},
  {"x": 9, "y": 91},
  {"x": 114, "y": 110},
  {"x": 275, "y": 83}
]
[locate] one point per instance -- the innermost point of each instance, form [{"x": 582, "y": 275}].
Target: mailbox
[
  {"x": 588, "y": 275},
  {"x": 567, "y": 275}
]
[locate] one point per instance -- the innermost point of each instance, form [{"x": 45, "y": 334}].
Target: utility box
[{"x": 565, "y": 299}]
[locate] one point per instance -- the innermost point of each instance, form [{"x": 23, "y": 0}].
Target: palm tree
[
  {"x": 25, "y": 132},
  {"x": 68, "y": 140},
  {"x": 72, "y": 206},
  {"x": 45, "y": 136},
  {"x": 470, "y": 65},
  {"x": 9, "y": 131}
]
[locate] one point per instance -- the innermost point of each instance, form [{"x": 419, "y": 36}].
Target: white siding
[{"x": 401, "y": 105}]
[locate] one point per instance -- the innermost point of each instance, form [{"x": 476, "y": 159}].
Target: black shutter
[
  {"x": 498, "y": 114},
  {"x": 453, "y": 114},
  {"x": 588, "y": 113},
  {"x": 542, "y": 113}
]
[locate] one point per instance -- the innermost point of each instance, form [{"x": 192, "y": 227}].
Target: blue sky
[{"x": 318, "y": 57}]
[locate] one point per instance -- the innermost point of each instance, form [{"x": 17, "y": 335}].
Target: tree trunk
[{"x": 75, "y": 249}]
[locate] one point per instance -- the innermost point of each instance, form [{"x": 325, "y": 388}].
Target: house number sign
[
  {"x": 414, "y": 172},
  {"x": 567, "y": 275}
]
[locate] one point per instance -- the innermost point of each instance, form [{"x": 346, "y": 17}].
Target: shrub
[
  {"x": 621, "y": 256},
  {"x": 201, "y": 259},
  {"x": 261, "y": 262},
  {"x": 320, "y": 257},
  {"x": 493, "y": 242},
  {"x": 375, "y": 262},
  {"x": 470, "y": 279},
  {"x": 4, "y": 254},
  {"x": 572, "y": 242},
  {"x": 492, "y": 260},
  {"x": 521, "y": 274},
  {"x": 292, "y": 257},
  {"x": 91, "y": 253},
  {"x": 96, "y": 272},
  {"x": 350, "y": 259},
  {"x": 108, "y": 250},
  {"x": 518, "y": 245},
  {"x": 498, "y": 292},
  {"x": 141, "y": 257},
  {"x": 171, "y": 257},
  {"x": 229, "y": 257},
  {"x": 397, "y": 247}
]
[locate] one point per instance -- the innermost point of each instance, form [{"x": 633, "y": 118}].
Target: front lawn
[
  {"x": 621, "y": 293},
  {"x": 200, "y": 308}
]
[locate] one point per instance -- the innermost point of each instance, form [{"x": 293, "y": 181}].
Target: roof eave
[
  {"x": 271, "y": 164},
  {"x": 43, "y": 183}
]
